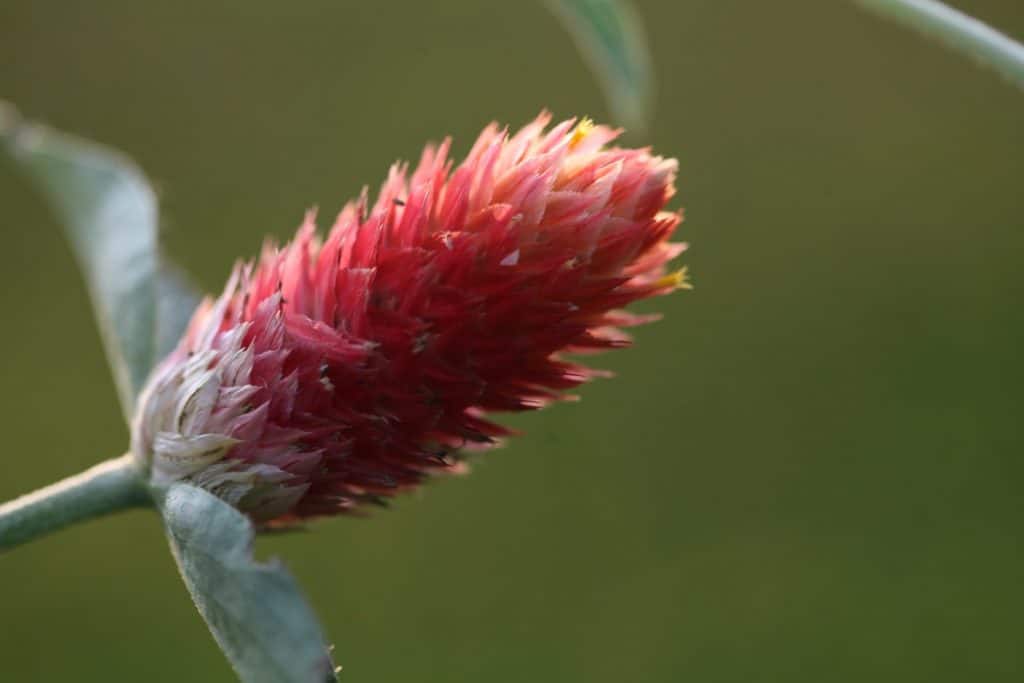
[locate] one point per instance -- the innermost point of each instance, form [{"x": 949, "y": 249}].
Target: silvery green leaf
[
  {"x": 254, "y": 610},
  {"x": 176, "y": 300},
  {"x": 611, "y": 38},
  {"x": 109, "y": 214}
]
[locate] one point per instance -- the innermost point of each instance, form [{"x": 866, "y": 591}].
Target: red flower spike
[{"x": 335, "y": 373}]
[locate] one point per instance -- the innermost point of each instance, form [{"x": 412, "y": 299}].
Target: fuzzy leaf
[
  {"x": 109, "y": 213},
  {"x": 611, "y": 38},
  {"x": 176, "y": 300},
  {"x": 255, "y": 610}
]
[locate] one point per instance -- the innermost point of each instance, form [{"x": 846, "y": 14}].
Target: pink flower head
[{"x": 337, "y": 372}]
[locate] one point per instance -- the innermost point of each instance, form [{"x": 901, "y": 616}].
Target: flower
[{"x": 335, "y": 373}]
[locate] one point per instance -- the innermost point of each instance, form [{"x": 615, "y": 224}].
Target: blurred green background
[{"x": 810, "y": 471}]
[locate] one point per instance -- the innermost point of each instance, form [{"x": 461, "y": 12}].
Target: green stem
[
  {"x": 960, "y": 31},
  {"x": 108, "y": 487}
]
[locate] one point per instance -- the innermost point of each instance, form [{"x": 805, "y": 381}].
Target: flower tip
[
  {"x": 584, "y": 128},
  {"x": 673, "y": 281}
]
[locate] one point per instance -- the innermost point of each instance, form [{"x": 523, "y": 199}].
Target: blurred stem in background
[
  {"x": 962, "y": 32},
  {"x": 108, "y": 487}
]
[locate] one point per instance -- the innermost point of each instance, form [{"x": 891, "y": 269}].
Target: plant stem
[
  {"x": 108, "y": 487},
  {"x": 962, "y": 32}
]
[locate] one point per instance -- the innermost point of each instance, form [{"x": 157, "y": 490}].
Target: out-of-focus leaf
[
  {"x": 611, "y": 38},
  {"x": 109, "y": 214},
  {"x": 254, "y": 610},
  {"x": 960, "y": 31}
]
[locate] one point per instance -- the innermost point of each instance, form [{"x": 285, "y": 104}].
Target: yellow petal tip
[
  {"x": 582, "y": 130},
  {"x": 676, "y": 280}
]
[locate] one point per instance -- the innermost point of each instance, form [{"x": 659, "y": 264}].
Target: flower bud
[{"x": 332, "y": 373}]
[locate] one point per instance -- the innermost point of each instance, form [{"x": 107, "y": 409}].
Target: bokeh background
[{"x": 810, "y": 471}]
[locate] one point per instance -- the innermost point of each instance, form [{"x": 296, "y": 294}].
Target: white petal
[{"x": 175, "y": 456}]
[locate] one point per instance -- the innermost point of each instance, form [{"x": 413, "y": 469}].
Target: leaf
[
  {"x": 960, "y": 31},
  {"x": 255, "y": 610},
  {"x": 109, "y": 214},
  {"x": 611, "y": 38},
  {"x": 177, "y": 298}
]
